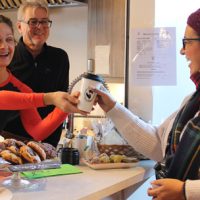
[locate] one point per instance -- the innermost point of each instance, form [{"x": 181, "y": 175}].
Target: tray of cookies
[{"x": 21, "y": 156}]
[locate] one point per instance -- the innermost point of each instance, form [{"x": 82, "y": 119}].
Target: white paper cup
[{"x": 87, "y": 96}]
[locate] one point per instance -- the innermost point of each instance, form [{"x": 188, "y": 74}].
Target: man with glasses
[{"x": 44, "y": 68}]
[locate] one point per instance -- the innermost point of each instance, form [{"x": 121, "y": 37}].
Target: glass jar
[{"x": 69, "y": 156}]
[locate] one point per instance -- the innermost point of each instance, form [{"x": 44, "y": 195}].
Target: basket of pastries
[
  {"x": 111, "y": 142},
  {"x": 114, "y": 149}
]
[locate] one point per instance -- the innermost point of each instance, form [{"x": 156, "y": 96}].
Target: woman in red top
[{"x": 16, "y": 98}]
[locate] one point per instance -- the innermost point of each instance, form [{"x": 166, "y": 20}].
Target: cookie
[
  {"x": 11, "y": 157},
  {"x": 14, "y": 150},
  {"x": 49, "y": 150},
  {"x": 40, "y": 151},
  {"x": 29, "y": 154}
]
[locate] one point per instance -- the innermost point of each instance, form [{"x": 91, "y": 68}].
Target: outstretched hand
[
  {"x": 167, "y": 189},
  {"x": 64, "y": 101},
  {"x": 104, "y": 99}
]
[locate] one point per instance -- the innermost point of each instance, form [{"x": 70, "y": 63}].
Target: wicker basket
[{"x": 115, "y": 149}]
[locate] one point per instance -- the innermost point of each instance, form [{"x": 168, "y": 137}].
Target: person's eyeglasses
[
  {"x": 34, "y": 23},
  {"x": 189, "y": 40}
]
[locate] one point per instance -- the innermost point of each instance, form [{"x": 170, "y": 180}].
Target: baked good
[
  {"x": 116, "y": 158},
  {"x": 11, "y": 157},
  {"x": 18, "y": 152},
  {"x": 9, "y": 142},
  {"x": 104, "y": 158},
  {"x": 39, "y": 150},
  {"x": 49, "y": 150},
  {"x": 19, "y": 143},
  {"x": 29, "y": 154},
  {"x": 2, "y": 146},
  {"x": 14, "y": 149},
  {"x": 4, "y": 151}
]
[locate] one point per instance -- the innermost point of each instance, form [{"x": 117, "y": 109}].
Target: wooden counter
[{"x": 89, "y": 185}]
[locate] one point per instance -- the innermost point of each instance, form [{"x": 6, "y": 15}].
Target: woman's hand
[
  {"x": 104, "y": 99},
  {"x": 167, "y": 189},
  {"x": 64, "y": 101}
]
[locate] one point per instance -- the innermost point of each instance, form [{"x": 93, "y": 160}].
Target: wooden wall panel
[{"x": 107, "y": 26}]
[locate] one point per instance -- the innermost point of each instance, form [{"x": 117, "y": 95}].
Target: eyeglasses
[
  {"x": 46, "y": 23},
  {"x": 189, "y": 40}
]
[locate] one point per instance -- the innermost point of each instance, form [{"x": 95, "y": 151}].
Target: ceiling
[{"x": 14, "y": 4}]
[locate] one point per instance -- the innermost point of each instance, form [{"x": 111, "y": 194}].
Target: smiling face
[
  {"x": 192, "y": 50},
  {"x": 7, "y": 45},
  {"x": 34, "y": 37}
]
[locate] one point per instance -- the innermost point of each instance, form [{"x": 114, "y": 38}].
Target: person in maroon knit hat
[
  {"x": 175, "y": 143},
  {"x": 194, "y": 21}
]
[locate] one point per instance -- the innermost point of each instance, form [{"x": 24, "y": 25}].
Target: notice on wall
[
  {"x": 153, "y": 56},
  {"x": 102, "y": 59}
]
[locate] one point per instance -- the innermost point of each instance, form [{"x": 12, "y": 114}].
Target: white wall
[
  {"x": 155, "y": 103},
  {"x": 68, "y": 31},
  {"x": 168, "y": 99},
  {"x": 140, "y": 99}
]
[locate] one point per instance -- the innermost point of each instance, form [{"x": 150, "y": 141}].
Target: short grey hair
[{"x": 31, "y": 4}]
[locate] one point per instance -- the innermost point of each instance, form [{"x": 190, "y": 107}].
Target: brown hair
[{"x": 7, "y": 21}]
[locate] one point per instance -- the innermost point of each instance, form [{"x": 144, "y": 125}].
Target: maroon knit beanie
[{"x": 194, "y": 21}]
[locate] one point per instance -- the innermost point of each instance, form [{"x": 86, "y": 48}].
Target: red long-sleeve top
[{"x": 17, "y": 98}]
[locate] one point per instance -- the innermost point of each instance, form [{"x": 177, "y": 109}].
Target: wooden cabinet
[{"x": 107, "y": 26}]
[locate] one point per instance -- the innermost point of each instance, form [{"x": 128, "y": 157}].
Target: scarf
[
  {"x": 184, "y": 117},
  {"x": 185, "y": 114}
]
